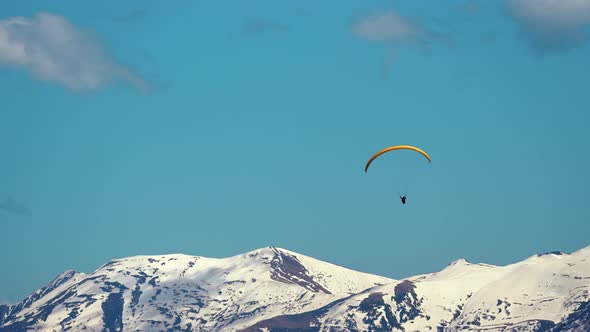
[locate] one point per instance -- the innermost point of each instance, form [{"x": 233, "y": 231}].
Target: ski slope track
[{"x": 273, "y": 289}]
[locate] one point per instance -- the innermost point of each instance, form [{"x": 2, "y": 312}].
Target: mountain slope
[
  {"x": 179, "y": 292},
  {"x": 273, "y": 289},
  {"x": 543, "y": 293}
]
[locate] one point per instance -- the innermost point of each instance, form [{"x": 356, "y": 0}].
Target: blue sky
[{"x": 217, "y": 128}]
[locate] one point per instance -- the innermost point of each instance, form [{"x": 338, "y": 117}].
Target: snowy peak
[
  {"x": 461, "y": 268},
  {"x": 287, "y": 268},
  {"x": 460, "y": 261},
  {"x": 554, "y": 253},
  {"x": 463, "y": 263},
  {"x": 312, "y": 274},
  {"x": 60, "y": 279},
  {"x": 548, "y": 256}
]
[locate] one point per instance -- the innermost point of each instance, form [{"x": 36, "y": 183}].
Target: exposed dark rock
[
  {"x": 407, "y": 301},
  {"x": 379, "y": 315},
  {"x": 153, "y": 281},
  {"x": 4, "y": 312},
  {"x": 288, "y": 323},
  {"x": 579, "y": 320},
  {"x": 112, "y": 310},
  {"x": 135, "y": 294},
  {"x": 109, "y": 286},
  {"x": 288, "y": 269},
  {"x": 140, "y": 277}
]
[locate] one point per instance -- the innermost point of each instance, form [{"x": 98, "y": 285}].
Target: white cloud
[
  {"x": 396, "y": 32},
  {"x": 553, "y": 24},
  {"x": 55, "y": 50}
]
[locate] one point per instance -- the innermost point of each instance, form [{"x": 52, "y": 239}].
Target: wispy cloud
[
  {"x": 12, "y": 206},
  {"x": 55, "y": 50},
  {"x": 552, "y": 25},
  {"x": 397, "y": 32}
]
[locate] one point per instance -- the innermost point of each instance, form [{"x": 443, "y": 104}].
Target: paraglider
[{"x": 393, "y": 148}]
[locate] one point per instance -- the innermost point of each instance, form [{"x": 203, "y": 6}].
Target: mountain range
[{"x": 273, "y": 289}]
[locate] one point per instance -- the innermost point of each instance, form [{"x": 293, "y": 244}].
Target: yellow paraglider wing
[{"x": 397, "y": 147}]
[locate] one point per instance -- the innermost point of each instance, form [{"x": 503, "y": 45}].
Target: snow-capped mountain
[
  {"x": 274, "y": 289},
  {"x": 186, "y": 293}
]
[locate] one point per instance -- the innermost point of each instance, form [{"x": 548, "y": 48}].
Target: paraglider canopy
[{"x": 397, "y": 147}]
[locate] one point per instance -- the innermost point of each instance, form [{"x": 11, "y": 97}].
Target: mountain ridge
[{"x": 275, "y": 289}]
